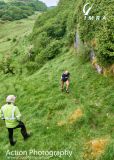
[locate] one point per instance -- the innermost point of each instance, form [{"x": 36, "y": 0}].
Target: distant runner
[
  {"x": 65, "y": 79},
  {"x": 12, "y": 116}
]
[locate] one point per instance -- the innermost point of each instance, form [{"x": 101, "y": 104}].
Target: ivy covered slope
[
  {"x": 57, "y": 28},
  {"x": 99, "y": 33},
  {"x": 53, "y": 32},
  {"x": 18, "y": 9}
]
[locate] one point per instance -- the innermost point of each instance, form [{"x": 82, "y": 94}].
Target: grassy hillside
[
  {"x": 81, "y": 121},
  {"x": 53, "y": 117},
  {"x": 15, "y": 31},
  {"x": 15, "y": 43}
]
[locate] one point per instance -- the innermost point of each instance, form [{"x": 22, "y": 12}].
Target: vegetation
[
  {"x": 44, "y": 108},
  {"x": 57, "y": 28},
  {"x": 30, "y": 68},
  {"x": 18, "y": 9},
  {"x": 15, "y": 44},
  {"x": 63, "y": 22},
  {"x": 99, "y": 31}
]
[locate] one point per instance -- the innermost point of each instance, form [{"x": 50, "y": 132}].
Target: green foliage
[
  {"x": 39, "y": 98},
  {"x": 52, "y": 50},
  {"x": 52, "y": 31},
  {"x": 15, "y": 42},
  {"x": 20, "y": 9},
  {"x": 48, "y": 53},
  {"x": 105, "y": 39},
  {"x": 84, "y": 53},
  {"x": 6, "y": 65},
  {"x": 99, "y": 30}
]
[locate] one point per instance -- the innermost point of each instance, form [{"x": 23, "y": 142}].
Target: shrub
[
  {"x": 18, "y": 10},
  {"x": 6, "y": 65},
  {"x": 14, "y": 39}
]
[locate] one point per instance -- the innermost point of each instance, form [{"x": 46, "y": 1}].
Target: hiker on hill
[
  {"x": 65, "y": 79},
  {"x": 12, "y": 116}
]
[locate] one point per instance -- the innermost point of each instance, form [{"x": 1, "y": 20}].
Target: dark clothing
[
  {"x": 65, "y": 77},
  {"x": 23, "y": 132}
]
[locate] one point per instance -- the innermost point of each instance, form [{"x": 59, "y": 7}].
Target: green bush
[
  {"x": 32, "y": 67},
  {"x": 17, "y": 10},
  {"x": 101, "y": 31},
  {"x": 6, "y": 65},
  {"x": 14, "y": 39},
  {"x": 53, "y": 49},
  {"x": 16, "y": 52},
  {"x": 8, "y": 39}
]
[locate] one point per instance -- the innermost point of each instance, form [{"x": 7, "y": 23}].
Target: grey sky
[{"x": 50, "y": 2}]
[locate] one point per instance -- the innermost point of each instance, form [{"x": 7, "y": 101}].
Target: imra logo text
[{"x": 86, "y": 10}]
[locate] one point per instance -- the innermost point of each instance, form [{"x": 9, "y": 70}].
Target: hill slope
[
  {"x": 62, "y": 121},
  {"x": 81, "y": 121},
  {"x": 67, "y": 20}
]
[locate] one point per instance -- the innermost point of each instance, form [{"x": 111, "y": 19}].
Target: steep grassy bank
[
  {"x": 12, "y": 31},
  {"x": 81, "y": 121},
  {"x": 15, "y": 43},
  {"x": 48, "y": 113}
]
